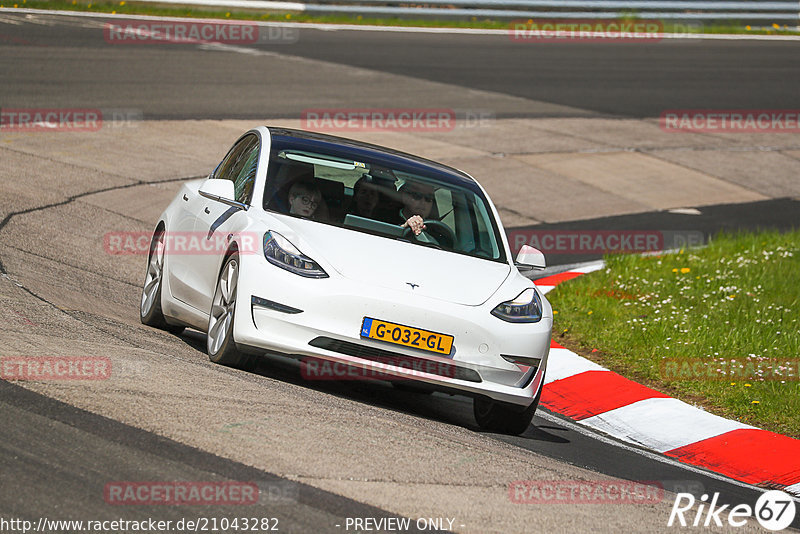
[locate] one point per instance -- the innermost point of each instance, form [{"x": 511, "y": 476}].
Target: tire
[
  {"x": 220, "y": 344},
  {"x": 150, "y": 307},
  {"x": 504, "y": 418}
]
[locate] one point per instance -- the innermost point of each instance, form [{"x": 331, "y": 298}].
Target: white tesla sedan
[{"x": 331, "y": 250}]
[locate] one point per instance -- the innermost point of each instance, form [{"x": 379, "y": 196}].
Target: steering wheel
[{"x": 438, "y": 231}]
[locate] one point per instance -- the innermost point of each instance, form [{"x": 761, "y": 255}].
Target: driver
[{"x": 417, "y": 199}]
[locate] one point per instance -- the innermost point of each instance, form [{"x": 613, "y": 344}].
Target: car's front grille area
[{"x": 420, "y": 365}]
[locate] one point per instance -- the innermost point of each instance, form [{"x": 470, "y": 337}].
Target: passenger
[
  {"x": 305, "y": 199},
  {"x": 365, "y": 198}
]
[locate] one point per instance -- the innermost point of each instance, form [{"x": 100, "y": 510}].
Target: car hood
[{"x": 393, "y": 264}]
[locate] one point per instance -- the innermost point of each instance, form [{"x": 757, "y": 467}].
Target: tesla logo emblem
[{"x": 412, "y": 285}]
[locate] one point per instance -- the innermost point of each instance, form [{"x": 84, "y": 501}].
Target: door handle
[
  {"x": 207, "y": 210},
  {"x": 185, "y": 197}
]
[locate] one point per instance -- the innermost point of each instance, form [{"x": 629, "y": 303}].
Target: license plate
[{"x": 407, "y": 336}]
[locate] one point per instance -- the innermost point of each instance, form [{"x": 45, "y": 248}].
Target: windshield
[{"x": 378, "y": 195}]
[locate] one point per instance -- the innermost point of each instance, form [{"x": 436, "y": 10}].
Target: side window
[
  {"x": 239, "y": 166},
  {"x": 246, "y": 179}
]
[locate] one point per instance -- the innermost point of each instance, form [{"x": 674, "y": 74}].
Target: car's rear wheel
[
  {"x": 220, "y": 343},
  {"x": 504, "y": 418},
  {"x": 150, "y": 312}
]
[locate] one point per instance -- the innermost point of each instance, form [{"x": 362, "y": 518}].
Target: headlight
[
  {"x": 526, "y": 308},
  {"x": 279, "y": 251}
]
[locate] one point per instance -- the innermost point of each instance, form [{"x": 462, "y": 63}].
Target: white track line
[
  {"x": 395, "y": 29},
  {"x": 589, "y": 267}
]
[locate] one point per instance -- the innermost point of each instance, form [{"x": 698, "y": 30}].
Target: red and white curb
[{"x": 605, "y": 401}]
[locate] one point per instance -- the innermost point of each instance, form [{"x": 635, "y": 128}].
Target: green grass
[
  {"x": 131, "y": 7},
  {"x": 737, "y": 299}
]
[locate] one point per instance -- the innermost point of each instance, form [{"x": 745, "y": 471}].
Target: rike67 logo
[{"x": 774, "y": 510}]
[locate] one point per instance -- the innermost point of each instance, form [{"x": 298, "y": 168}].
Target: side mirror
[
  {"x": 529, "y": 258},
  {"x": 221, "y": 191}
]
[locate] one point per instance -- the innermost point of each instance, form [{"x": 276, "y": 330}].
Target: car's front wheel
[
  {"x": 150, "y": 308},
  {"x": 220, "y": 343},
  {"x": 504, "y": 418}
]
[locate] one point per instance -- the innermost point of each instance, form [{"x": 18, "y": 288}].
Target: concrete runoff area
[
  {"x": 65, "y": 295},
  {"x": 616, "y": 170}
]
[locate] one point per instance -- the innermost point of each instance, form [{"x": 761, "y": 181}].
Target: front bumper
[{"x": 321, "y": 319}]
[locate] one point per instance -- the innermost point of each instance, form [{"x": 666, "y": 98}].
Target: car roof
[{"x": 370, "y": 152}]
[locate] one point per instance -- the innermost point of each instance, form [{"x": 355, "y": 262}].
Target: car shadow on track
[
  {"x": 542, "y": 433},
  {"x": 436, "y": 406}
]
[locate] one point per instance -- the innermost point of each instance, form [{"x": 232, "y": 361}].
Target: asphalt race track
[
  {"x": 621, "y": 79},
  {"x": 320, "y": 452}
]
